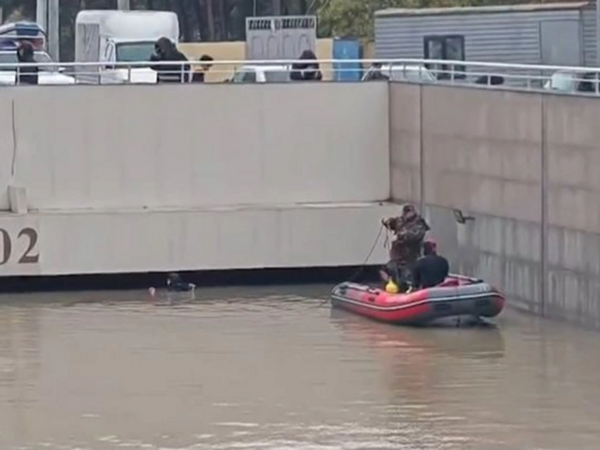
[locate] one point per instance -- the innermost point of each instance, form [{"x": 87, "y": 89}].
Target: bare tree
[{"x": 210, "y": 17}]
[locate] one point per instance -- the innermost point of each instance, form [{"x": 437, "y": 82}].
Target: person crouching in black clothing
[
  {"x": 165, "y": 50},
  {"x": 25, "y": 55},
  {"x": 430, "y": 270},
  {"x": 176, "y": 284},
  {"x": 306, "y": 71}
]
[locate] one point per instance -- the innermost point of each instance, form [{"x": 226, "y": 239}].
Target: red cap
[{"x": 431, "y": 244}]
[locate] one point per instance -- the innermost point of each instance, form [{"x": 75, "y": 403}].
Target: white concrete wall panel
[
  {"x": 78, "y": 242},
  {"x": 90, "y": 147},
  {"x": 8, "y": 144}
]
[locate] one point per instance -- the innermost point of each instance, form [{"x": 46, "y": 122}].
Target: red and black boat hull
[{"x": 456, "y": 297}]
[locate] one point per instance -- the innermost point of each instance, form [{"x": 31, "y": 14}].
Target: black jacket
[
  {"x": 430, "y": 271},
  {"x": 308, "y": 69},
  {"x": 198, "y": 76},
  {"x": 171, "y": 73},
  {"x": 27, "y": 74}
]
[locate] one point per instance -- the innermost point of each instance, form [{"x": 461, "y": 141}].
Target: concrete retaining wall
[
  {"x": 573, "y": 208},
  {"x": 522, "y": 164},
  {"x": 121, "y": 179},
  {"x": 146, "y": 178},
  {"x": 195, "y": 146},
  {"x": 137, "y": 241}
]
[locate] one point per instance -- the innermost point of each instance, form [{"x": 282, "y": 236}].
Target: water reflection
[
  {"x": 466, "y": 342},
  {"x": 423, "y": 369},
  {"x": 269, "y": 368},
  {"x": 19, "y": 364}
]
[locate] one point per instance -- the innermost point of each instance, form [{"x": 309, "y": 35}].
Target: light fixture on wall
[{"x": 460, "y": 217}]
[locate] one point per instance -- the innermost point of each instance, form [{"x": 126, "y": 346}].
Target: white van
[
  {"x": 262, "y": 74},
  {"x": 112, "y": 36}
]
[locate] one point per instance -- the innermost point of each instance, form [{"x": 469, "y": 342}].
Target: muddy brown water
[{"x": 273, "y": 368}]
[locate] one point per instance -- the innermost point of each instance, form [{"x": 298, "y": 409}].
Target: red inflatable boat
[{"x": 458, "y": 296}]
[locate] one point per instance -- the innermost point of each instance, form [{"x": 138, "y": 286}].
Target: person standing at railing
[
  {"x": 25, "y": 55},
  {"x": 165, "y": 50},
  {"x": 375, "y": 73},
  {"x": 306, "y": 71},
  {"x": 206, "y": 64}
]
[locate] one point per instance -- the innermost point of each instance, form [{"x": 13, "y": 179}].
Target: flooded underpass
[{"x": 276, "y": 369}]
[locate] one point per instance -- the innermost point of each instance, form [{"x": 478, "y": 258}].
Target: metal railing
[{"x": 512, "y": 76}]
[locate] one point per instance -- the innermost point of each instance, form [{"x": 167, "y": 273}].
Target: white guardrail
[{"x": 520, "y": 76}]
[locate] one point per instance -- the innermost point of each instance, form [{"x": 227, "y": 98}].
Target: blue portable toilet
[{"x": 350, "y": 49}]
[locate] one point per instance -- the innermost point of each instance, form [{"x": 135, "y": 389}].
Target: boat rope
[
  {"x": 364, "y": 264},
  {"x": 387, "y": 241}
]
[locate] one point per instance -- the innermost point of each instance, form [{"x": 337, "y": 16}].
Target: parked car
[
  {"x": 47, "y": 74},
  {"x": 400, "y": 72},
  {"x": 262, "y": 74},
  {"x": 569, "y": 81}
]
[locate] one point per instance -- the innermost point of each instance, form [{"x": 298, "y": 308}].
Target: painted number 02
[{"x": 28, "y": 256}]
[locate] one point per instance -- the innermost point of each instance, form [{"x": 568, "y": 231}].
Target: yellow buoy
[{"x": 391, "y": 287}]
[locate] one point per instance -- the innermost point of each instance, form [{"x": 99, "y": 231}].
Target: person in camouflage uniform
[{"x": 409, "y": 232}]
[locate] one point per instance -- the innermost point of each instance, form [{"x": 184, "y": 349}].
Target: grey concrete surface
[
  {"x": 525, "y": 166},
  {"x": 128, "y": 147},
  {"x": 573, "y": 213}
]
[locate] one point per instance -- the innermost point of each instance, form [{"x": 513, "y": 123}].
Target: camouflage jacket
[{"x": 409, "y": 236}]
